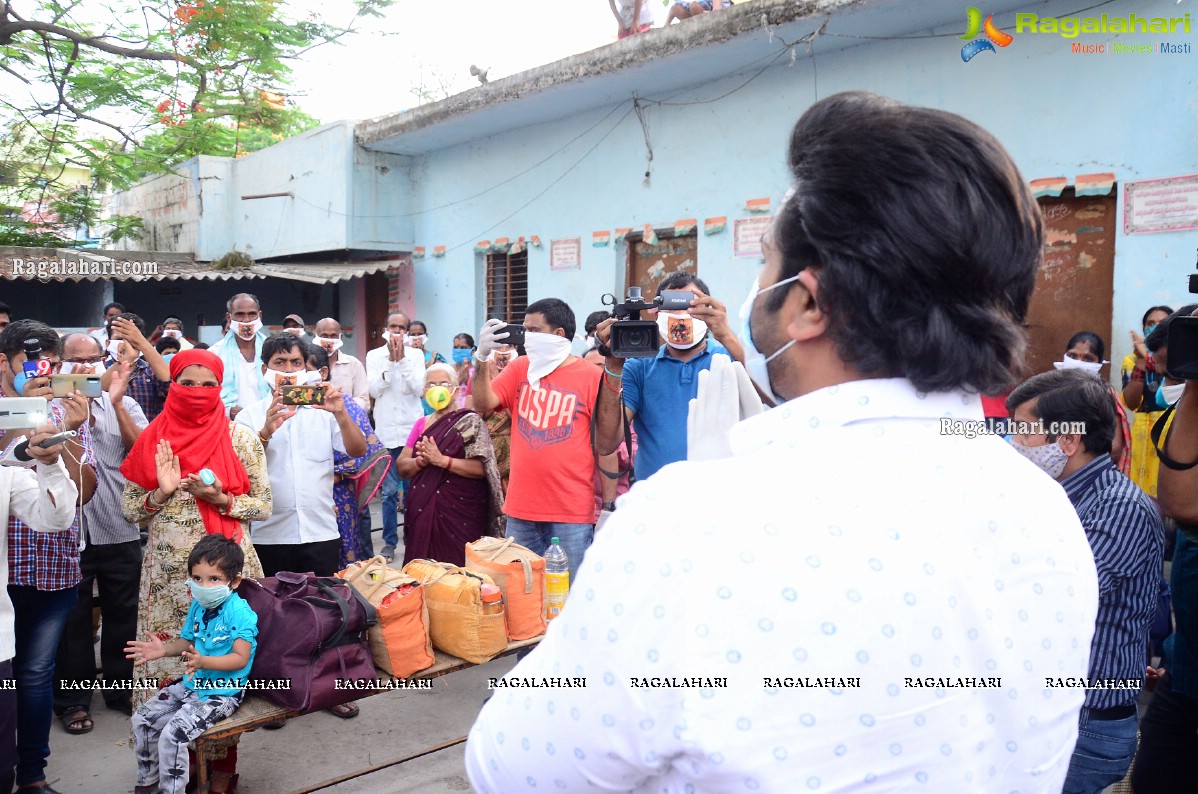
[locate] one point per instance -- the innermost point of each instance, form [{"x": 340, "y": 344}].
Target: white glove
[
  {"x": 750, "y": 400},
  {"x": 713, "y": 412},
  {"x": 489, "y": 338}
]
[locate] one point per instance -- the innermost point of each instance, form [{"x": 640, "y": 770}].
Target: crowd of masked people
[{"x": 890, "y": 547}]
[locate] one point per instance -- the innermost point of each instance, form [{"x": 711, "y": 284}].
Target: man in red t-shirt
[{"x": 550, "y": 395}]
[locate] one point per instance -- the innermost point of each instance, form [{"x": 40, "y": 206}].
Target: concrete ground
[{"x": 313, "y": 749}]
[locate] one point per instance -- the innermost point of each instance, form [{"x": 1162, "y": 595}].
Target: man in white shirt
[
  {"x": 101, "y": 334},
  {"x": 395, "y": 377},
  {"x": 301, "y": 533},
  {"x": 241, "y": 349},
  {"x": 44, "y": 499},
  {"x": 345, "y": 371},
  {"x": 865, "y": 600}
]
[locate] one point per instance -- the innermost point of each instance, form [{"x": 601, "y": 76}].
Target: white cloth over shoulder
[{"x": 841, "y": 576}]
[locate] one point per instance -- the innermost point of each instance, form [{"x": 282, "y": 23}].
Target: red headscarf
[{"x": 193, "y": 420}]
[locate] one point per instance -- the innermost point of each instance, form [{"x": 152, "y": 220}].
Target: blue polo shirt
[
  {"x": 659, "y": 391},
  {"x": 212, "y": 632}
]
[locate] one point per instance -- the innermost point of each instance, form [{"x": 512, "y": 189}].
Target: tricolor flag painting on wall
[
  {"x": 685, "y": 226},
  {"x": 650, "y": 235},
  {"x": 418, "y": 252},
  {"x": 600, "y": 239},
  {"x": 715, "y": 225},
  {"x": 758, "y": 205},
  {"x": 1052, "y": 186},
  {"x": 482, "y": 246},
  {"x": 534, "y": 241},
  {"x": 517, "y": 246},
  {"x": 622, "y": 234},
  {"x": 1094, "y": 184},
  {"x": 438, "y": 250},
  {"x": 500, "y": 244}
]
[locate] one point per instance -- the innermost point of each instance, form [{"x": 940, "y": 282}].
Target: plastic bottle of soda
[{"x": 557, "y": 579}]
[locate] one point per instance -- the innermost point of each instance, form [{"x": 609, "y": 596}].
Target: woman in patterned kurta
[
  {"x": 165, "y": 595},
  {"x": 345, "y": 489}
]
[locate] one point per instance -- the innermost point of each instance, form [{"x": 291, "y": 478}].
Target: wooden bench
[{"x": 256, "y": 711}]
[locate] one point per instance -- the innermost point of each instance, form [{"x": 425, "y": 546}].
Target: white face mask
[
  {"x": 172, "y": 333},
  {"x": 1050, "y": 458},
  {"x": 247, "y": 331},
  {"x": 277, "y": 380},
  {"x": 297, "y": 331},
  {"x": 114, "y": 347},
  {"x": 1170, "y": 394},
  {"x": 679, "y": 330},
  {"x": 546, "y": 352},
  {"x": 1073, "y": 363},
  {"x": 418, "y": 340},
  {"x": 312, "y": 377},
  {"x": 756, "y": 362},
  {"x": 330, "y": 346},
  {"x": 71, "y": 368}
]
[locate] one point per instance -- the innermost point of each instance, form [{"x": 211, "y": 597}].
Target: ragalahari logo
[{"x": 973, "y": 27}]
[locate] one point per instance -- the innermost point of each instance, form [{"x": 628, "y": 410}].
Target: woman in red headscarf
[{"x": 164, "y": 485}]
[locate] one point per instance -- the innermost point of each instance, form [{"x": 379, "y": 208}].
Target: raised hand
[{"x": 166, "y": 462}]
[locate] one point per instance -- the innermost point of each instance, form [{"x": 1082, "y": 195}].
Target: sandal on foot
[
  {"x": 78, "y": 717},
  {"x": 345, "y": 711}
]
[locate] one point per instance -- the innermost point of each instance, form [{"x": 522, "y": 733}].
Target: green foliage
[{"x": 129, "y": 88}]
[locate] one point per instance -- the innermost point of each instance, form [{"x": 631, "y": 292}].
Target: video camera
[
  {"x": 632, "y": 337},
  {"x": 1183, "y": 341}
]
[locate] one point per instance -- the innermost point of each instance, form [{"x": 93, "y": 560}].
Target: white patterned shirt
[{"x": 827, "y": 611}]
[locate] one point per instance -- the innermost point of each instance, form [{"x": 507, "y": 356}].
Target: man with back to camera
[
  {"x": 240, "y": 349},
  {"x": 657, "y": 390},
  {"x": 904, "y": 643},
  {"x": 1125, "y": 534},
  {"x": 43, "y": 499},
  {"x": 550, "y": 395},
  {"x": 395, "y": 376},
  {"x": 44, "y": 574}
]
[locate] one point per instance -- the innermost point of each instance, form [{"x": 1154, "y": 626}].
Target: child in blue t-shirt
[{"x": 217, "y": 644}]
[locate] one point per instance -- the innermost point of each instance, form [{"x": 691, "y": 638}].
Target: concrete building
[{"x": 546, "y": 183}]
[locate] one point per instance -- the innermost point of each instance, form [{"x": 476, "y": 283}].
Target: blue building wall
[{"x": 1059, "y": 114}]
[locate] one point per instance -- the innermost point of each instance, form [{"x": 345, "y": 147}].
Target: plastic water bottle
[{"x": 557, "y": 579}]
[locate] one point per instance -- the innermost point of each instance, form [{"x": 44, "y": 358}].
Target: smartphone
[
  {"x": 87, "y": 385},
  {"x": 515, "y": 335},
  {"x": 22, "y": 413},
  {"x": 303, "y": 395}
]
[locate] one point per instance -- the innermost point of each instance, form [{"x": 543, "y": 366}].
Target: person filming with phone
[{"x": 43, "y": 499}]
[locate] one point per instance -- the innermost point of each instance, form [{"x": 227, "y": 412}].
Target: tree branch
[{"x": 9, "y": 29}]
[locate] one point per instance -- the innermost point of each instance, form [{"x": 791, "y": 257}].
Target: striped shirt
[
  {"x": 1127, "y": 540},
  {"x": 104, "y": 523},
  {"x": 48, "y": 560}
]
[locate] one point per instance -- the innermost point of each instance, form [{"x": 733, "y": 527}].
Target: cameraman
[
  {"x": 657, "y": 391},
  {"x": 1167, "y": 759}
]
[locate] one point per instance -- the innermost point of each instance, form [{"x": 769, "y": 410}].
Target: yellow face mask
[{"x": 438, "y": 397}]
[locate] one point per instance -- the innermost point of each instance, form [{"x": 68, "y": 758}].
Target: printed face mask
[
  {"x": 277, "y": 380},
  {"x": 1072, "y": 363},
  {"x": 679, "y": 330},
  {"x": 297, "y": 331},
  {"x": 330, "y": 346},
  {"x": 210, "y": 597},
  {"x": 503, "y": 357},
  {"x": 247, "y": 330},
  {"x": 1050, "y": 458},
  {"x": 438, "y": 396}
]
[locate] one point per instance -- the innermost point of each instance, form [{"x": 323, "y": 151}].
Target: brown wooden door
[
  {"x": 649, "y": 264},
  {"x": 376, "y": 308},
  {"x": 1075, "y": 282}
]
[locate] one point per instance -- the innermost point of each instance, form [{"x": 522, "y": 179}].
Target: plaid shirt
[
  {"x": 47, "y": 560},
  {"x": 144, "y": 388}
]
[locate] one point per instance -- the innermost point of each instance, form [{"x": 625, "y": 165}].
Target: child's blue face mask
[{"x": 210, "y": 597}]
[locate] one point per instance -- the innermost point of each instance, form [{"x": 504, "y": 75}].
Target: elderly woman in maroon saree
[{"x": 454, "y": 494}]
